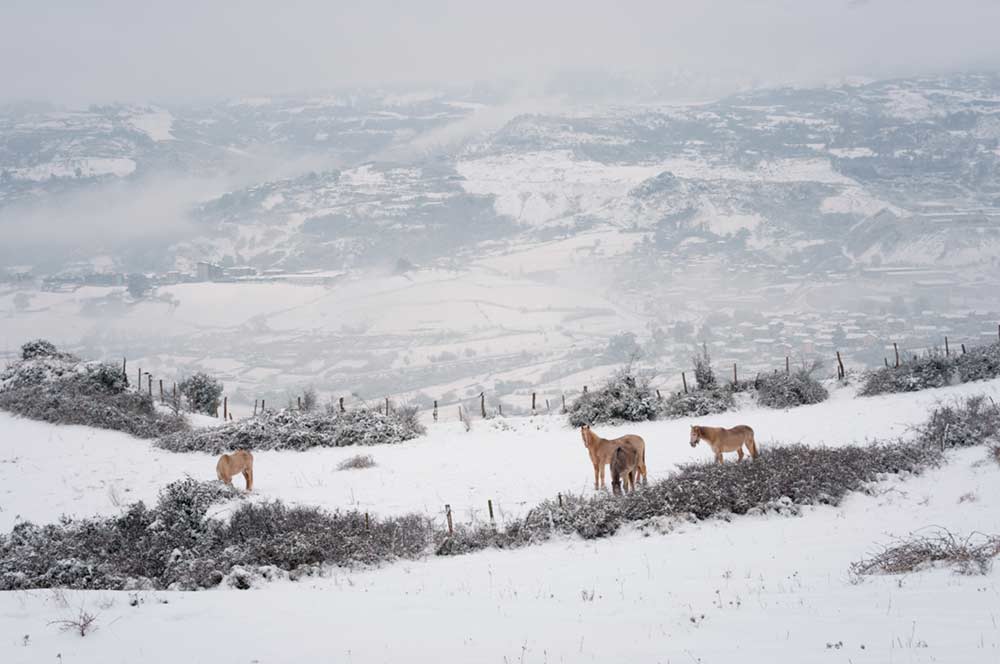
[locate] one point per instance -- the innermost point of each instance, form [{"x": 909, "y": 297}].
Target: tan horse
[
  {"x": 233, "y": 464},
  {"x": 624, "y": 464},
  {"x": 726, "y": 440},
  {"x": 601, "y": 451}
]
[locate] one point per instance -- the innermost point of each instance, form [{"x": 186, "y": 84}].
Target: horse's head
[
  {"x": 695, "y": 436},
  {"x": 585, "y": 434}
]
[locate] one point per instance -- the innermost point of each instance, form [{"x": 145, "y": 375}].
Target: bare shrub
[
  {"x": 82, "y": 624},
  {"x": 971, "y": 554},
  {"x": 357, "y": 461},
  {"x": 965, "y": 422}
]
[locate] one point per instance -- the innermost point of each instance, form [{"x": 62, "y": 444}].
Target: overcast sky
[{"x": 83, "y": 51}]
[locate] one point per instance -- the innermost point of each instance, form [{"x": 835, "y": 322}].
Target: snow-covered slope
[{"x": 764, "y": 587}]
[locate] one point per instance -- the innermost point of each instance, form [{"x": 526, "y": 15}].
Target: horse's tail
[
  {"x": 642, "y": 464},
  {"x": 752, "y": 446}
]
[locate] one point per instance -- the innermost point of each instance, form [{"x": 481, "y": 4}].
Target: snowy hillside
[
  {"x": 766, "y": 587},
  {"x": 411, "y": 248}
]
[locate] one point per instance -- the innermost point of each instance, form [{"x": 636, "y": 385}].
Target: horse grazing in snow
[
  {"x": 233, "y": 464},
  {"x": 624, "y": 465}
]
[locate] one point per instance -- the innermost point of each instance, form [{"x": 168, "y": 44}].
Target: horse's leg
[
  {"x": 596, "y": 485},
  {"x": 248, "y": 477},
  {"x": 642, "y": 468},
  {"x": 739, "y": 451},
  {"x": 718, "y": 457},
  {"x": 603, "y": 484}
]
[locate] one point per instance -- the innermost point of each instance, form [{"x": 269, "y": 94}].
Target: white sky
[{"x": 82, "y": 51}]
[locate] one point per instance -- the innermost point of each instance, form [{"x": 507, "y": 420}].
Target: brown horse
[
  {"x": 624, "y": 463},
  {"x": 233, "y": 464},
  {"x": 726, "y": 440},
  {"x": 601, "y": 451}
]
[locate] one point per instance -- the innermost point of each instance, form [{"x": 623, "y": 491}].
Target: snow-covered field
[{"x": 763, "y": 588}]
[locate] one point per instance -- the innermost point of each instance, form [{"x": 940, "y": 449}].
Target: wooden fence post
[
  {"x": 560, "y": 500},
  {"x": 149, "y": 383},
  {"x": 788, "y": 366},
  {"x": 895, "y": 348},
  {"x": 685, "y": 381},
  {"x": 298, "y": 400},
  {"x": 500, "y": 408},
  {"x": 532, "y": 402},
  {"x": 963, "y": 349},
  {"x": 584, "y": 389},
  {"x": 177, "y": 404},
  {"x": 435, "y": 410},
  {"x": 734, "y": 374},
  {"x": 124, "y": 374},
  {"x": 138, "y": 381},
  {"x": 262, "y": 409},
  {"x": 161, "y": 390},
  {"x": 447, "y": 513},
  {"x": 548, "y": 408},
  {"x": 366, "y": 521},
  {"x": 255, "y": 407},
  {"x": 659, "y": 397},
  {"x": 947, "y": 351},
  {"x": 225, "y": 408},
  {"x": 387, "y": 406},
  {"x": 342, "y": 404},
  {"x": 886, "y": 362},
  {"x": 840, "y": 367},
  {"x": 564, "y": 401},
  {"x": 489, "y": 504},
  {"x": 482, "y": 404}
]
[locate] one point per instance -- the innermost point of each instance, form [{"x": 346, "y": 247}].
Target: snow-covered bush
[
  {"x": 932, "y": 370},
  {"x": 177, "y": 545},
  {"x": 973, "y": 421},
  {"x": 202, "y": 393},
  {"x": 704, "y": 377},
  {"x": 58, "y": 387},
  {"x": 980, "y": 363},
  {"x": 41, "y": 348},
  {"x": 625, "y": 397},
  {"x": 779, "y": 479},
  {"x": 299, "y": 430},
  {"x": 698, "y": 402},
  {"x": 787, "y": 390},
  {"x": 971, "y": 554},
  {"x": 935, "y": 370}
]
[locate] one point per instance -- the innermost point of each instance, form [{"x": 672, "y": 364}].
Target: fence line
[{"x": 385, "y": 405}]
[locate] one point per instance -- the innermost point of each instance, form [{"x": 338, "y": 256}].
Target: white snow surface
[
  {"x": 155, "y": 123},
  {"x": 763, "y": 588}
]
